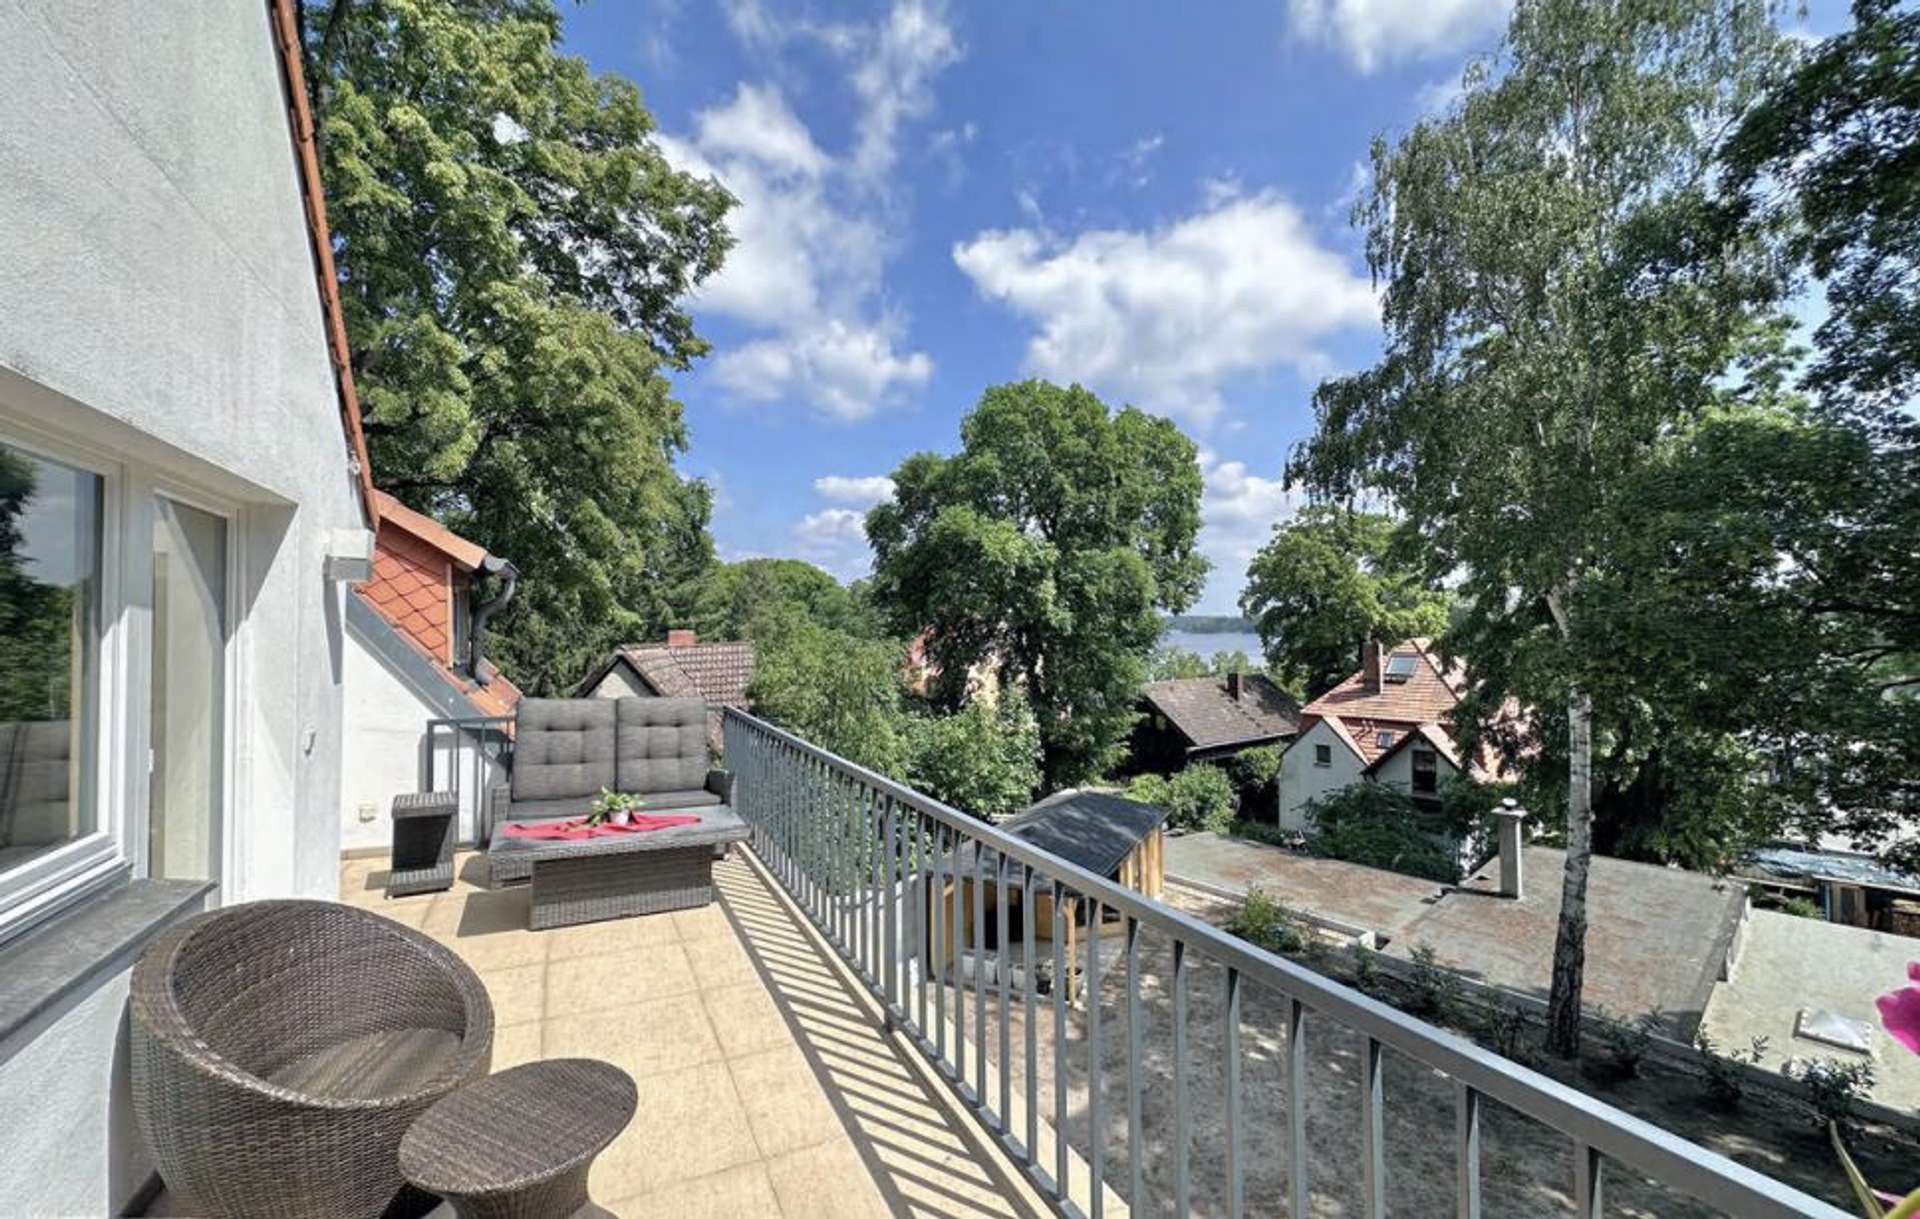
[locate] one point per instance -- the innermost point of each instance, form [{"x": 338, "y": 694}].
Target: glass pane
[
  {"x": 189, "y": 692},
  {"x": 49, "y": 631}
]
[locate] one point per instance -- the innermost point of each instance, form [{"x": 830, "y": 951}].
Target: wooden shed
[{"x": 1120, "y": 839}]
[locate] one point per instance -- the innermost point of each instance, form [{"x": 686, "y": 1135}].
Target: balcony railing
[
  {"x": 466, "y": 756},
  {"x": 872, "y": 863}
]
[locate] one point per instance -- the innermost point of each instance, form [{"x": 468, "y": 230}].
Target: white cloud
[
  {"x": 1377, "y": 32},
  {"x": 834, "y": 539},
  {"x": 861, "y": 492},
  {"x": 1163, "y": 318},
  {"x": 812, "y": 229},
  {"x": 1238, "y": 511}
]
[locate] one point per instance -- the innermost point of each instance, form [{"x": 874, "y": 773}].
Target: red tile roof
[
  {"x": 1421, "y": 705},
  {"x": 719, "y": 673},
  {"x": 468, "y": 556}
]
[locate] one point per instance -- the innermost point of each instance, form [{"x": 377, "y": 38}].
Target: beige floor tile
[
  {"x": 705, "y": 922},
  {"x": 783, "y": 1100},
  {"x": 829, "y": 1181},
  {"x": 611, "y": 936},
  {"x": 469, "y": 915},
  {"x": 720, "y": 962},
  {"x": 643, "y": 1039},
  {"x": 518, "y": 993},
  {"x": 515, "y": 1044},
  {"x": 746, "y": 1019},
  {"x": 688, "y": 1124},
  {"x": 579, "y": 985},
  {"x": 738, "y": 1193}
]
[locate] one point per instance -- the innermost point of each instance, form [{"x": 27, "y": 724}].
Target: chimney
[
  {"x": 1508, "y": 818},
  {"x": 1233, "y": 686},
  {"x": 1370, "y": 663},
  {"x": 682, "y": 639}
]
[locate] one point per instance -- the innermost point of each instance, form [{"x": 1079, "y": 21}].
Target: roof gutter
[{"x": 286, "y": 43}]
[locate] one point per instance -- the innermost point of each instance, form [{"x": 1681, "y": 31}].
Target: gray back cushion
[
  {"x": 663, "y": 744},
  {"x": 562, "y": 747}
]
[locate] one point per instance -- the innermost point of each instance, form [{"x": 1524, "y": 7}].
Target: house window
[
  {"x": 1400, "y": 667},
  {"x": 1384, "y": 740},
  {"x": 187, "y": 733},
  {"x": 1323, "y": 755},
  {"x": 51, "y": 568},
  {"x": 1426, "y": 772}
]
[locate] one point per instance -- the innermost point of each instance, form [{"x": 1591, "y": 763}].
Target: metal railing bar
[
  {"x": 1060, "y": 1038},
  {"x": 1096, "y": 1084},
  {"x": 1373, "y": 1136},
  {"x": 1003, "y": 953},
  {"x": 1136, "y": 1169},
  {"x": 1466, "y": 1125},
  {"x": 976, "y": 941},
  {"x": 1589, "y": 1172},
  {"x": 1299, "y": 1180},
  {"x": 1032, "y": 1009},
  {"x": 1182, "y": 1132},
  {"x": 1236, "y": 1153}
]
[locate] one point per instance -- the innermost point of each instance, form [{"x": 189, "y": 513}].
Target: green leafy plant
[
  {"x": 1437, "y": 990},
  {"x": 1267, "y": 924},
  {"x": 607, "y": 803},
  {"x": 1832, "y": 1088},
  {"x": 1197, "y": 798},
  {"x": 1625, "y": 1042},
  {"x": 1506, "y": 1028},
  {"x": 1721, "y": 1071},
  {"x": 1381, "y": 827},
  {"x": 1366, "y": 972},
  {"x": 1801, "y": 907}
]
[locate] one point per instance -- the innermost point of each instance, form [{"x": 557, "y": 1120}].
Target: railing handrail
[{"x": 1633, "y": 1142}]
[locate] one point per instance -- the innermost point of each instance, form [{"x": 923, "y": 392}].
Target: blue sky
[{"x": 940, "y": 198}]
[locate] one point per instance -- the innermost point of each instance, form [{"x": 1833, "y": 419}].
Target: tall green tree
[
  {"x": 1548, "y": 320},
  {"x": 513, "y": 249},
  {"x": 837, "y": 691},
  {"x": 1047, "y": 547},
  {"x": 733, "y": 600},
  {"x": 1328, "y": 581}
]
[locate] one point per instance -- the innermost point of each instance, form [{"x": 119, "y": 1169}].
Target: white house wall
[
  {"x": 158, "y": 307},
  {"x": 620, "y": 682},
  {"x": 1301, "y": 782}
]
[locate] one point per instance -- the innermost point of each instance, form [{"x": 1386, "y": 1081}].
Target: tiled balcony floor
[{"x": 767, "y": 1086}]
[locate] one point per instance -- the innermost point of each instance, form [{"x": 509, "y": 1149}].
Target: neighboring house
[
  {"x": 185, "y": 499},
  {"x": 416, "y": 653},
  {"x": 1849, "y": 887},
  {"x": 1196, "y": 719},
  {"x": 682, "y": 667},
  {"x": 1388, "y": 723}
]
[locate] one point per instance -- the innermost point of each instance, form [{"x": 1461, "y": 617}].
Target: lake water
[{"x": 1206, "y": 643}]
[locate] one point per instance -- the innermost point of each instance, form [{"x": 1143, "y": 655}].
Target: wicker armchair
[{"x": 280, "y": 1050}]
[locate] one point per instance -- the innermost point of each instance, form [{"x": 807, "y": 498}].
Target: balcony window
[{"x": 50, "y": 582}]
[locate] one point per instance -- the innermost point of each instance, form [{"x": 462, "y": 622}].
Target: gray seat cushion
[
  {"x": 562, "y": 747},
  {"x": 549, "y": 810},
  {"x": 662, "y": 745},
  {"x": 683, "y": 799}
]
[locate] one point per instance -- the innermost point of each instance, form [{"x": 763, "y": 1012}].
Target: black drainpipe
[{"x": 483, "y": 673}]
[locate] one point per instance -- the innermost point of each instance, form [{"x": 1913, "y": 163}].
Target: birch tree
[{"x": 1556, "y": 299}]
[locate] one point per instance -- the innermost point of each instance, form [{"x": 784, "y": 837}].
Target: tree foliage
[
  {"x": 740, "y": 600},
  {"x": 983, "y": 759},
  {"x": 1199, "y": 797},
  {"x": 1047, "y": 547},
  {"x": 513, "y": 249},
  {"x": 1557, "y": 301},
  {"x": 837, "y": 691},
  {"x": 1326, "y": 582}
]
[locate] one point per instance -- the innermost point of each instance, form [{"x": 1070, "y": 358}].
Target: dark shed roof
[
  {"x": 1092, "y": 829},
  {"x": 1205, "y": 711}
]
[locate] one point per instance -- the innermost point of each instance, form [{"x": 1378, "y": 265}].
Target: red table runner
[{"x": 639, "y": 823}]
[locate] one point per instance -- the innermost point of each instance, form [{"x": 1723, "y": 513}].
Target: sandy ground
[{"x": 1526, "y": 1168}]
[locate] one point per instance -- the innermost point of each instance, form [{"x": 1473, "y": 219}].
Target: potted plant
[{"x": 616, "y": 808}]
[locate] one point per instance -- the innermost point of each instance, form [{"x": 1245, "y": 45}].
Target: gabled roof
[
  {"x": 1204, "y": 711},
  {"x": 717, "y": 673},
  {"x": 1429, "y": 694},
  {"x": 1432, "y": 734},
  {"x": 468, "y": 556},
  {"x": 1092, "y": 829}
]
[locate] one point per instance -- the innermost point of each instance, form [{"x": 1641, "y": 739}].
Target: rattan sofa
[
  {"x": 567, "y": 750},
  {"x": 280, "y": 1049}
]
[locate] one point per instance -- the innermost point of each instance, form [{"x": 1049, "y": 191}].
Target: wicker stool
[
  {"x": 423, "y": 831},
  {"x": 518, "y": 1145}
]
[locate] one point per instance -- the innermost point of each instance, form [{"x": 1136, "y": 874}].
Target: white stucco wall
[
  {"x": 1397, "y": 771},
  {"x": 386, "y": 731},
  {"x": 158, "y": 306},
  {"x": 1302, "y": 782},
  {"x": 620, "y": 682}
]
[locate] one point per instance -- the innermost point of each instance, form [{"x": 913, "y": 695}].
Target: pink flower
[{"x": 1900, "y": 1010}]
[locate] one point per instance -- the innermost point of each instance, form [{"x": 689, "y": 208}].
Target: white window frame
[
  {"x": 117, "y": 846},
  {"x": 42, "y": 887},
  {"x": 166, "y": 486}
]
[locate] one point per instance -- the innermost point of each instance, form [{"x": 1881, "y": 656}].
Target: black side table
[
  {"x": 519, "y": 1144},
  {"x": 423, "y": 830}
]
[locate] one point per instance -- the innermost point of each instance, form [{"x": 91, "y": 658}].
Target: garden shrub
[
  {"x": 1801, "y": 907},
  {"x": 1256, "y": 780},
  {"x": 1437, "y": 990},
  {"x": 1724, "y": 1082},
  {"x": 1197, "y": 798},
  {"x": 1506, "y": 1027},
  {"x": 1265, "y": 923},
  {"x": 1832, "y": 1087},
  {"x": 1381, "y": 827},
  {"x": 1626, "y": 1042}
]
